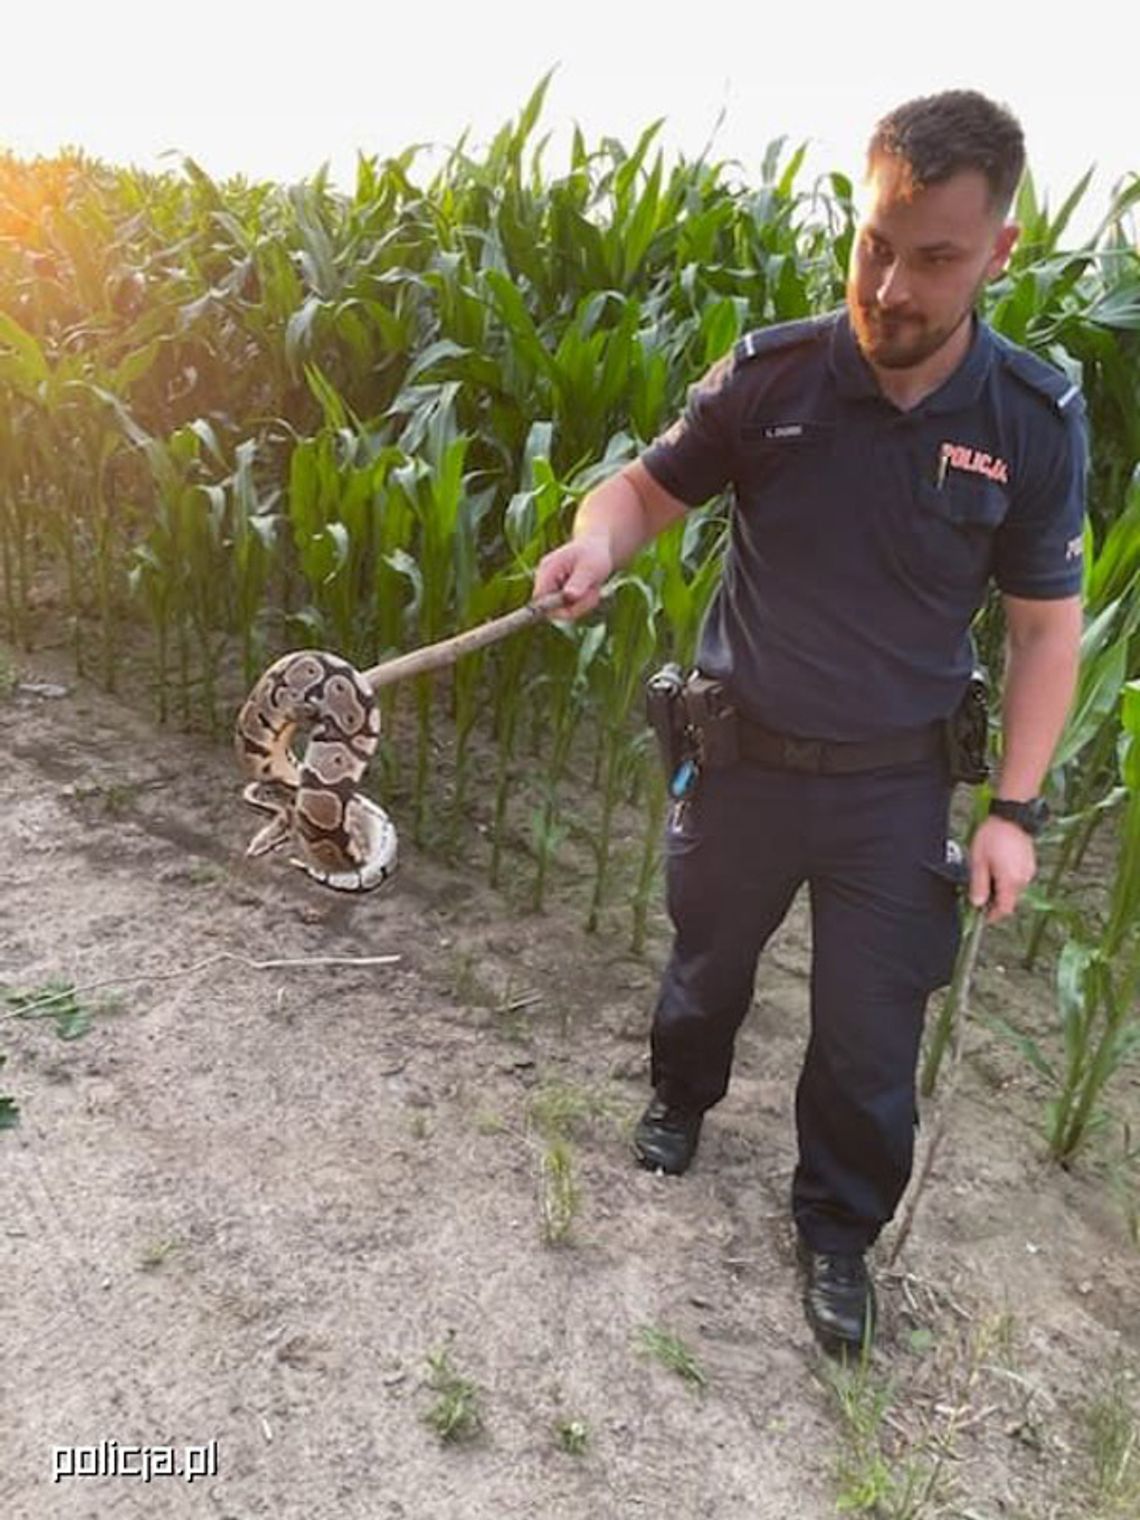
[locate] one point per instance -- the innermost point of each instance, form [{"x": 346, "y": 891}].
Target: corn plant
[
  {"x": 252, "y": 526},
  {"x": 1097, "y": 975},
  {"x": 570, "y": 652},
  {"x": 532, "y": 524},
  {"x": 1098, "y": 980},
  {"x": 15, "y": 522},
  {"x": 614, "y": 678},
  {"x": 179, "y": 570},
  {"x": 1110, "y": 654}
]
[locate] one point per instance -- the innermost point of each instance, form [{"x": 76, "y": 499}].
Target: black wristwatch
[{"x": 1032, "y": 816}]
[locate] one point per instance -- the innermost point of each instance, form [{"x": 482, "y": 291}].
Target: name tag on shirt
[{"x": 777, "y": 433}]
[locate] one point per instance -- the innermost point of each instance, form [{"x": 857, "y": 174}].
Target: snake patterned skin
[{"x": 344, "y": 840}]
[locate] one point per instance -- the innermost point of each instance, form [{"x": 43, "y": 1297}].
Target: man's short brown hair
[{"x": 937, "y": 136}]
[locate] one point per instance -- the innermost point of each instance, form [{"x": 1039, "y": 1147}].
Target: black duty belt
[{"x": 829, "y": 757}]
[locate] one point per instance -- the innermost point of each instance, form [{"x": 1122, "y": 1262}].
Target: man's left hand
[{"x": 1002, "y": 864}]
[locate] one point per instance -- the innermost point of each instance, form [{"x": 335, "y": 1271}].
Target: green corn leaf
[
  {"x": 1130, "y": 736},
  {"x": 1028, "y": 1047},
  {"x": 1073, "y": 967},
  {"x": 720, "y": 328},
  {"x": 1123, "y": 203},
  {"x": 327, "y": 553},
  {"x": 523, "y": 332},
  {"x": 337, "y": 414},
  {"x": 788, "y": 178},
  {"x": 1118, "y": 309},
  {"x": 404, "y": 565},
  {"x": 641, "y": 228},
  {"x": 530, "y": 113},
  {"x": 317, "y": 256},
  {"x": 137, "y": 434},
  {"x": 299, "y": 332},
  {"x": 1097, "y": 695},
  {"x": 205, "y": 431},
  {"x": 590, "y": 646},
  {"x": 136, "y": 366},
  {"x": 1130, "y": 722},
  {"x": 1118, "y": 563},
  {"x": 31, "y": 369},
  {"x": 434, "y": 354},
  {"x": 1071, "y": 202}
]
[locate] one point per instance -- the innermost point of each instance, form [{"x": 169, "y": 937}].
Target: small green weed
[
  {"x": 419, "y": 1128},
  {"x": 868, "y": 1482},
  {"x": 115, "y": 798},
  {"x": 58, "y": 1001},
  {"x": 560, "y": 1195},
  {"x": 894, "y": 1462},
  {"x": 156, "y": 1254},
  {"x": 1121, "y": 1166},
  {"x": 203, "y": 873},
  {"x": 9, "y": 1108},
  {"x": 1111, "y": 1424},
  {"x": 559, "y": 1110},
  {"x": 508, "y": 1006},
  {"x": 455, "y": 1414},
  {"x": 573, "y": 1436},
  {"x": 671, "y": 1352}
]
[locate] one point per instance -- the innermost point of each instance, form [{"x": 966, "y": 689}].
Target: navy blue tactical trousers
[{"x": 884, "y": 934}]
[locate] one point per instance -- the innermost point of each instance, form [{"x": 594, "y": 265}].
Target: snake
[{"x": 343, "y": 839}]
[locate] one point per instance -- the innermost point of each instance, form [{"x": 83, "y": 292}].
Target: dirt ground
[{"x": 255, "y": 1207}]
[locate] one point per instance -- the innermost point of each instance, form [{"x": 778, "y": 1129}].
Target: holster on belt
[
  {"x": 712, "y": 722},
  {"x": 665, "y": 711},
  {"x": 692, "y": 719},
  {"x": 966, "y": 732}
]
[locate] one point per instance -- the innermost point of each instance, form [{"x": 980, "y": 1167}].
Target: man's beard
[
  {"x": 892, "y": 341},
  {"x": 899, "y": 342}
]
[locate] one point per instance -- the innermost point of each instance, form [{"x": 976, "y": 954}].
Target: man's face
[{"x": 918, "y": 262}]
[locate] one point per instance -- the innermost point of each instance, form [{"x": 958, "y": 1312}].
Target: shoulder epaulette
[
  {"x": 769, "y": 340},
  {"x": 1049, "y": 383}
]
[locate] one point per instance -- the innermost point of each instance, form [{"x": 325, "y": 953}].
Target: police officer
[{"x": 886, "y": 460}]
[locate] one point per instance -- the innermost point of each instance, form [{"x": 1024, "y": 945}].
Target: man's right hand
[
  {"x": 579, "y": 569},
  {"x": 612, "y": 524}
]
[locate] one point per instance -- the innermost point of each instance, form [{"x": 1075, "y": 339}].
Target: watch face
[{"x": 1038, "y": 814}]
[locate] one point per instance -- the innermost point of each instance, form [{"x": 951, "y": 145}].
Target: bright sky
[{"x": 272, "y": 91}]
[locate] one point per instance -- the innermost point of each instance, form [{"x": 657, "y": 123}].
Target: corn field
[{"x": 238, "y": 418}]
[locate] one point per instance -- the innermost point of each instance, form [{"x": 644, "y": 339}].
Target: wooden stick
[
  {"x": 37, "y": 1002},
  {"x": 973, "y": 944},
  {"x": 447, "y": 651}
]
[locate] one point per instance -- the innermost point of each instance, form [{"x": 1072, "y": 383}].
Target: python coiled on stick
[{"x": 343, "y": 839}]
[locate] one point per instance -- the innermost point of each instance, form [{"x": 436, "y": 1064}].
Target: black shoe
[
  {"x": 665, "y": 1139},
  {"x": 839, "y": 1300}
]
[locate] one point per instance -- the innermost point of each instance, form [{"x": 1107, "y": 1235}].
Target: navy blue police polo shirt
[{"x": 863, "y": 537}]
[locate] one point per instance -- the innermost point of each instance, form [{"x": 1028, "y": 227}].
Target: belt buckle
[{"x": 803, "y": 754}]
